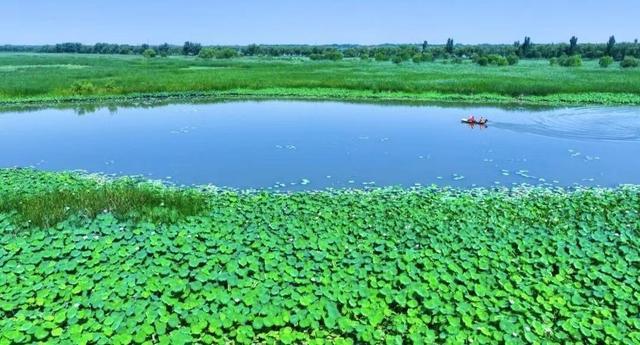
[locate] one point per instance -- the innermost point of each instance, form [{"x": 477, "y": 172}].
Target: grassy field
[
  {"x": 376, "y": 267},
  {"x": 48, "y": 78}
]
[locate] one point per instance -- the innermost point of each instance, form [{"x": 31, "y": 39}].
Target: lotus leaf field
[{"x": 379, "y": 266}]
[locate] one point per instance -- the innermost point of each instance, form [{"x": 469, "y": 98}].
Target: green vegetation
[
  {"x": 570, "y": 61},
  {"x": 45, "y": 199},
  {"x": 525, "y": 50},
  {"x": 117, "y": 77},
  {"x": 496, "y": 60},
  {"x": 605, "y": 61},
  {"x": 629, "y": 62},
  {"x": 380, "y": 266},
  {"x": 327, "y": 54},
  {"x": 149, "y": 53},
  {"x": 210, "y": 53}
]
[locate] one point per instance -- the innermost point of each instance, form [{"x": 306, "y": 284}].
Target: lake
[{"x": 294, "y": 145}]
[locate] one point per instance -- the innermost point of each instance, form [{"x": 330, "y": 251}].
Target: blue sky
[{"x": 315, "y": 21}]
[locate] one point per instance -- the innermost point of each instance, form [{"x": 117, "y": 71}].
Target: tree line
[{"x": 525, "y": 49}]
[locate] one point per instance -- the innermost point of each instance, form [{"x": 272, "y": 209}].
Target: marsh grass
[
  {"x": 124, "y": 199},
  {"x": 118, "y": 76}
]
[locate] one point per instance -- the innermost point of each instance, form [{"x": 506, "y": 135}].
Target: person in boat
[
  {"x": 471, "y": 119},
  {"x": 482, "y": 120}
]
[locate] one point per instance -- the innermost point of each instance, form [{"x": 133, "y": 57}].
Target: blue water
[{"x": 314, "y": 145}]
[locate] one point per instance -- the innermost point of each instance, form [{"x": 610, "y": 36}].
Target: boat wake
[{"x": 583, "y": 124}]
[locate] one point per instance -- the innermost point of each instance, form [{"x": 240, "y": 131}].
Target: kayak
[{"x": 476, "y": 122}]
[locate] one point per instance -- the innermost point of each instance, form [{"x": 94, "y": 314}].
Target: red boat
[{"x": 475, "y": 122}]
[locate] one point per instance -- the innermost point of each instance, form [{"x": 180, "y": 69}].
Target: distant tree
[
  {"x": 252, "y": 50},
  {"x": 417, "y": 58},
  {"x": 351, "y": 53},
  {"x": 629, "y": 62},
  {"x": 570, "y": 61},
  {"x": 332, "y": 54},
  {"x": 573, "y": 46},
  {"x": 397, "y": 59},
  {"x": 226, "y": 53},
  {"x": 425, "y": 45},
  {"x": 498, "y": 60},
  {"x": 610, "y": 45},
  {"x": 149, "y": 53},
  {"x": 449, "y": 46},
  {"x": 190, "y": 48},
  {"x": 124, "y": 49},
  {"x": 163, "y": 49},
  {"x": 524, "y": 48},
  {"x": 605, "y": 61},
  {"x": 513, "y": 59},
  {"x": 482, "y": 61},
  {"x": 381, "y": 56},
  {"x": 207, "y": 53},
  {"x": 635, "y": 41}
]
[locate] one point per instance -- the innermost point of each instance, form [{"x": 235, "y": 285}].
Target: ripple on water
[{"x": 595, "y": 123}]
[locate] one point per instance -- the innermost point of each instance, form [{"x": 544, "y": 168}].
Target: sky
[{"x": 315, "y": 21}]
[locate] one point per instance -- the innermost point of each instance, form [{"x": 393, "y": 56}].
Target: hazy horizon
[{"x": 373, "y": 22}]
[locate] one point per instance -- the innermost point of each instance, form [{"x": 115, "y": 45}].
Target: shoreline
[{"x": 324, "y": 94}]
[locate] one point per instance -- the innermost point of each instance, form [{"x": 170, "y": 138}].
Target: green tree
[
  {"x": 525, "y": 47},
  {"x": 570, "y": 61},
  {"x": 252, "y": 50},
  {"x": 573, "y": 46},
  {"x": 605, "y": 61},
  {"x": 332, "y": 54},
  {"x": 190, "y": 48},
  {"x": 449, "y": 46},
  {"x": 163, "y": 49},
  {"x": 207, "y": 53},
  {"x": 425, "y": 44},
  {"x": 482, "y": 61},
  {"x": 513, "y": 59},
  {"x": 381, "y": 56},
  {"x": 610, "y": 45},
  {"x": 226, "y": 53},
  {"x": 629, "y": 62},
  {"x": 149, "y": 53}
]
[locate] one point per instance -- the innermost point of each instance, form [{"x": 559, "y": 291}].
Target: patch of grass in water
[{"x": 124, "y": 198}]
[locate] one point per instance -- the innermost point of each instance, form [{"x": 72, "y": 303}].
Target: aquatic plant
[
  {"x": 427, "y": 265},
  {"x": 43, "y": 199}
]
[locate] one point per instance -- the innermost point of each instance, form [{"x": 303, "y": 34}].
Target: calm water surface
[{"x": 307, "y": 145}]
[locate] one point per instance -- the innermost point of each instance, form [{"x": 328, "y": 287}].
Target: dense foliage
[
  {"x": 54, "y": 78},
  {"x": 629, "y": 62},
  {"x": 149, "y": 53},
  {"x": 569, "y": 61},
  {"x": 382, "y": 266},
  {"x": 605, "y": 61},
  {"x": 526, "y": 49}
]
